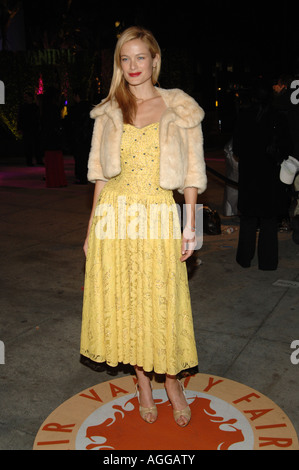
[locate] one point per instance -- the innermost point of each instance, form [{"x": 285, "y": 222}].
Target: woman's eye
[{"x": 140, "y": 58}]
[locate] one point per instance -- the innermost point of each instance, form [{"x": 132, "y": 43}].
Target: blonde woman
[{"x": 147, "y": 141}]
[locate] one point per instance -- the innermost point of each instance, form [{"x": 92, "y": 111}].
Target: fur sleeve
[
  {"x": 196, "y": 168},
  {"x": 95, "y": 171}
]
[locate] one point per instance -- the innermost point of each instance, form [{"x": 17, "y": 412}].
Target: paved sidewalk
[{"x": 244, "y": 320}]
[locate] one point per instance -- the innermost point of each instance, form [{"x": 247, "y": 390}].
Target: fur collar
[{"x": 181, "y": 109}]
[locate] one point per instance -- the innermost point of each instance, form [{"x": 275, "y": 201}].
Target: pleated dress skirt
[{"x": 136, "y": 306}]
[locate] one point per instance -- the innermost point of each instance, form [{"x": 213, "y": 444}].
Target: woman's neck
[{"x": 144, "y": 92}]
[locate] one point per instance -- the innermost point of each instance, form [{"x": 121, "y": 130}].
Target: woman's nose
[{"x": 133, "y": 65}]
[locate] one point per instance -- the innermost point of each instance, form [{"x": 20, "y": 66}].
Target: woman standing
[{"x": 146, "y": 142}]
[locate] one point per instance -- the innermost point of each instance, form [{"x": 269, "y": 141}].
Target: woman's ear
[{"x": 156, "y": 60}]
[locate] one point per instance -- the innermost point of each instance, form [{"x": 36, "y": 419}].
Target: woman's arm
[
  {"x": 99, "y": 184},
  {"x": 189, "y": 239}
]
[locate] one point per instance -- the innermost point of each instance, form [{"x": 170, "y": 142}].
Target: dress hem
[{"x": 147, "y": 370}]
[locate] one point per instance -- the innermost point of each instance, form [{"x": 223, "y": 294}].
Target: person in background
[
  {"x": 284, "y": 89},
  {"x": 79, "y": 126},
  {"x": 261, "y": 141},
  {"x": 282, "y": 104}
]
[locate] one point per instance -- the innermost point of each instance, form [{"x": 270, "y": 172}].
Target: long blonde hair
[{"x": 119, "y": 89}]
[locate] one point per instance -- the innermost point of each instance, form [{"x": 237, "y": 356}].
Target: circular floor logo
[{"x": 226, "y": 415}]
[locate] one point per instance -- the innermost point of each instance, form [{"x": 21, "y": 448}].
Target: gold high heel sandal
[
  {"x": 185, "y": 413},
  {"x": 145, "y": 411}
]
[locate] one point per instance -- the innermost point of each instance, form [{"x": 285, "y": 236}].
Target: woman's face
[{"x": 136, "y": 62}]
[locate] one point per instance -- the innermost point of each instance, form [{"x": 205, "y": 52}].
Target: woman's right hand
[
  {"x": 97, "y": 190},
  {"x": 85, "y": 246}
]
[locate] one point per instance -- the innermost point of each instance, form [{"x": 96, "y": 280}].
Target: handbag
[{"x": 211, "y": 221}]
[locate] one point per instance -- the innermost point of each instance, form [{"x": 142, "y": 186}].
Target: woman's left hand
[{"x": 188, "y": 243}]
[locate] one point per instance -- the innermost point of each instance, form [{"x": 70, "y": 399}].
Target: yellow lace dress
[{"x": 136, "y": 307}]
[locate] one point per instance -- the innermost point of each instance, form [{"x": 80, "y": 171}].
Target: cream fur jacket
[{"x": 181, "y": 142}]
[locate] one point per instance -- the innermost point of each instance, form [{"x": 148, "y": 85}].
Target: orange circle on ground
[{"x": 226, "y": 415}]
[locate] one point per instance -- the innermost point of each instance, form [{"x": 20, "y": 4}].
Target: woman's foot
[
  {"x": 147, "y": 408},
  {"x": 148, "y": 413},
  {"x": 176, "y": 395}
]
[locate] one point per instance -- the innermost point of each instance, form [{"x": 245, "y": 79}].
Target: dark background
[{"x": 212, "y": 49}]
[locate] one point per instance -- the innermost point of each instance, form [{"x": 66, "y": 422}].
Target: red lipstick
[{"x": 135, "y": 74}]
